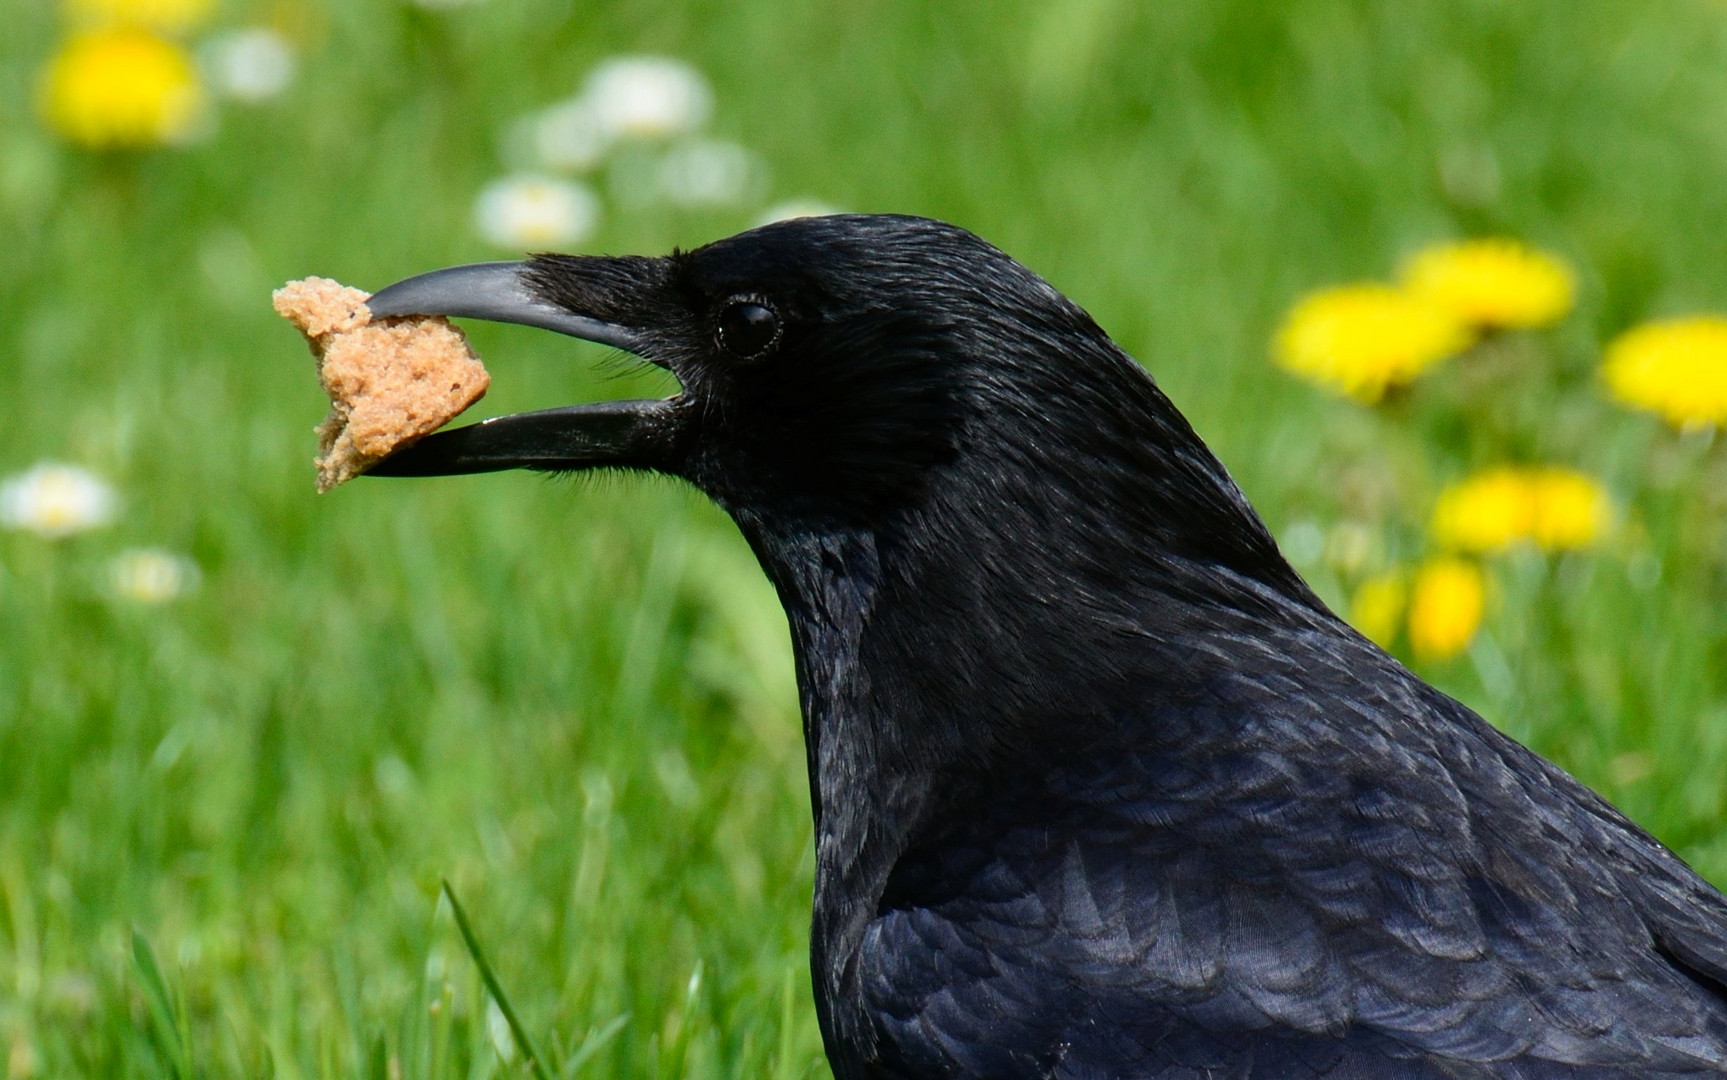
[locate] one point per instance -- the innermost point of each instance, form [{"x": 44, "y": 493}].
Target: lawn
[{"x": 573, "y": 699}]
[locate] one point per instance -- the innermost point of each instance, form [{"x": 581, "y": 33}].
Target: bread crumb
[{"x": 390, "y": 382}]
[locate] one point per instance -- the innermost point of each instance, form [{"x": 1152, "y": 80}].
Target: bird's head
[
  {"x": 885, "y": 374},
  {"x": 825, "y": 364}
]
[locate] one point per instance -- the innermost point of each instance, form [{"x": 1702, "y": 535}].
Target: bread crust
[{"x": 390, "y": 382}]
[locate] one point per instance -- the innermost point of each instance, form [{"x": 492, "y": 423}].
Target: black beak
[
  {"x": 613, "y": 434},
  {"x": 498, "y": 291}
]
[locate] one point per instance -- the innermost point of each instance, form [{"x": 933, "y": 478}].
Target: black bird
[{"x": 1101, "y": 789}]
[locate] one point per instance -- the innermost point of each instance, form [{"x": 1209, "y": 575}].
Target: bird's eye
[{"x": 748, "y": 328}]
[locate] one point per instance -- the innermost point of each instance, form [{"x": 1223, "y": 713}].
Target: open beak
[{"x": 612, "y": 434}]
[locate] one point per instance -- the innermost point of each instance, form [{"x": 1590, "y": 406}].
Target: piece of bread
[{"x": 390, "y": 382}]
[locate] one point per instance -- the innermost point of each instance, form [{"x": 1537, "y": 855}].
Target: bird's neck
[
  {"x": 1053, "y": 580},
  {"x": 924, "y": 667},
  {"x": 862, "y": 789}
]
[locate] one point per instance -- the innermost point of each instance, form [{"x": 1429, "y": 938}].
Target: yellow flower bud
[
  {"x": 1377, "y": 606},
  {"x": 1445, "y": 607}
]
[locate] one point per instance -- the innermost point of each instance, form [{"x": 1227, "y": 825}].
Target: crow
[{"x": 1101, "y": 788}]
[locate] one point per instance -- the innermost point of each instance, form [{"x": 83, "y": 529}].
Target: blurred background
[{"x": 1442, "y": 284}]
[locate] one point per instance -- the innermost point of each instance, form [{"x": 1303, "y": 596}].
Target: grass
[{"x": 224, "y": 822}]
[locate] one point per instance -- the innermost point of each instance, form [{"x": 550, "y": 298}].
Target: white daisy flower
[
  {"x": 152, "y": 576},
  {"x": 527, "y": 212},
  {"x": 55, "y": 500},
  {"x": 569, "y": 135},
  {"x": 648, "y": 96},
  {"x": 249, "y": 65},
  {"x": 795, "y": 208},
  {"x": 709, "y": 173}
]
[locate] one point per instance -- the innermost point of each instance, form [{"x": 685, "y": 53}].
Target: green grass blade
[
  {"x": 783, "y": 1068},
  {"x": 493, "y": 987},
  {"x": 165, "y": 1021},
  {"x": 675, "y": 1058},
  {"x": 592, "y": 1045},
  {"x": 378, "y": 1062}
]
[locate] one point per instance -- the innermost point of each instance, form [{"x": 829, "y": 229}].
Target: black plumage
[{"x": 1101, "y": 788}]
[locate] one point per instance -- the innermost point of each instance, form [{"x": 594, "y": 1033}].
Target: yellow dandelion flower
[
  {"x": 1569, "y": 509},
  {"x": 1493, "y": 283},
  {"x": 1361, "y": 339},
  {"x": 1486, "y": 512},
  {"x": 1554, "y": 507},
  {"x": 1377, "y": 606},
  {"x": 1445, "y": 607},
  {"x": 109, "y": 88},
  {"x": 168, "y": 16},
  {"x": 1676, "y": 368}
]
